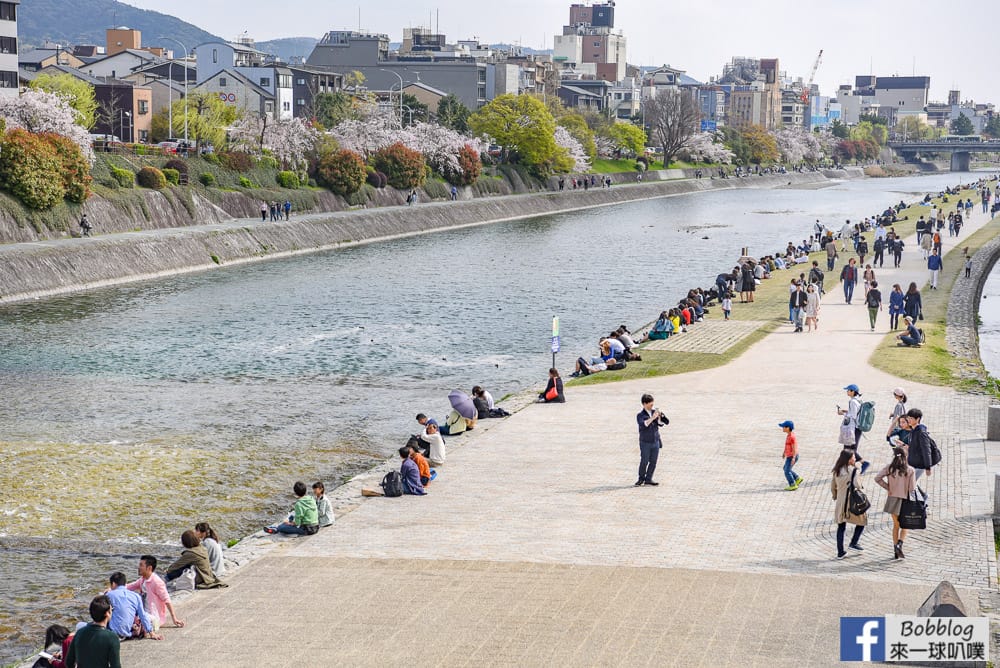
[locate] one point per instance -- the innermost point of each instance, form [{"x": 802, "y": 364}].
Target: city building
[
  {"x": 755, "y": 92},
  {"x": 8, "y": 48},
  {"x": 450, "y": 69},
  {"x": 238, "y": 72},
  {"x": 589, "y": 39},
  {"x": 120, "y": 63},
  {"x": 793, "y": 109},
  {"x": 903, "y": 94},
  {"x": 38, "y": 59},
  {"x": 307, "y": 83},
  {"x": 824, "y": 110}
]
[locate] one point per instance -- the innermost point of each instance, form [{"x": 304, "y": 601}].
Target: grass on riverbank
[{"x": 932, "y": 363}]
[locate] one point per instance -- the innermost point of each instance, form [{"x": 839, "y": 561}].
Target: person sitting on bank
[
  {"x": 210, "y": 539},
  {"x": 435, "y": 445},
  {"x": 662, "y": 328},
  {"x": 152, "y": 589},
  {"x": 553, "y": 392},
  {"x": 410, "y": 474},
  {"x": 95, "y": 644},
  {"x": 911, "y": 338},
  {"x": 479, "y": 401},
  {"x": 455, "y": 424},
  {"x": 128, "y": 616},
  {"x": 304, "y": 520},
  {"x": 194, "y": 555},
  {"x": 426, "y": 473},
  {"x": 324, "y": 510}
]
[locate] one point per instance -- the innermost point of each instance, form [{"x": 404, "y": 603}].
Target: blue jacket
[
  {"x": 649, "y": 435},
  {"x": 895, "y": 302},
  {"x": 410, "y": 474},
  {"x": 934, "y": 262}
]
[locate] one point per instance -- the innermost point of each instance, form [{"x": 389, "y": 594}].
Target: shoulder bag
[
  {"x": 913, "y": 511},
  {"x": 857, "y": 501}
]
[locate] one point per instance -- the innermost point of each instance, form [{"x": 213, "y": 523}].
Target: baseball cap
[
  {"x": 853, "y": 388},
  {"x": 898, "y": 392},
  {"x": 787, "y": 423}
]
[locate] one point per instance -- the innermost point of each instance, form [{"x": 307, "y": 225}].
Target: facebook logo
[{"x": 862, "y": 639}]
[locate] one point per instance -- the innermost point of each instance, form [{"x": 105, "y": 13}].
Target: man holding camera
[{"x": 649, "y": 420}]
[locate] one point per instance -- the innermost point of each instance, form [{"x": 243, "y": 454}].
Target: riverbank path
[{"x": 533, "y": 547}]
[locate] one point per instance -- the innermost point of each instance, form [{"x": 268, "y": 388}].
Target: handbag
[
  {"x": 857, "y": 501},
  {"x": 186, "y": 580},
  {"x": 552, "y": 394},
  {"x": 913, "y": 512},
  {"x": 846, "y": 433}
]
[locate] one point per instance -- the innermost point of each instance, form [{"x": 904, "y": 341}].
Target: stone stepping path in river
[{"x": 708, "y": 336}]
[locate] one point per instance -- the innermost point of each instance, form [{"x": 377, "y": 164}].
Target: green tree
[
  {"x": 577, "y": 126},
  {"x": 519, "y": 123},
  {"x": 993, "y": 127},
  {"x": 874, "y": 119},
  {"x": 451, "y": 113},
  {"x": 78, "y": 94},
  {"x": 207, "y": 118},
  {"x": 962, "y": 125},
  {"x": 910, "y": 128},
  {"x": 417, "y": 110},
  {"x": 331, "y": 109},
  {"x": 733, "y": 139},
  {"x": 839, "y": 130},
  {"x": 627, "y": 137},
  {"x": 761, "y": 145}
]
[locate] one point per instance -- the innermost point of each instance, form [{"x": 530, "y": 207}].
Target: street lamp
[
  {"x": 398, "y": 76},
  {"x": 172, "y": 39}
]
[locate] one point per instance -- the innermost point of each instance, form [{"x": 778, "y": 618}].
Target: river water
[
  {"x": 131, "y": 413},
  {"x": 989, "y": 327}
]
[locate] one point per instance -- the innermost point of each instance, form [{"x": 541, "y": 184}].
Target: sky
[{"x": 887, "y": 37}]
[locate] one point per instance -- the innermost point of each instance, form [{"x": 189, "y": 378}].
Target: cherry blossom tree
[
  {"x": 797, "y": 145},
  {"x": 707, "y": 147},
  {"x": 288, "y": 141},
  {"x": 39, "y": 111},
  {"x": 578, "y": 161}
]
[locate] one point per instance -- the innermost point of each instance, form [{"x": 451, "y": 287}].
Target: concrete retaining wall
[
  {"x": 47, "y": 268},
  {"x": 962, "y": 333}
]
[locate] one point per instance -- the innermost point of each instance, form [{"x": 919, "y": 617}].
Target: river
[{"x": 130, "y": 413}]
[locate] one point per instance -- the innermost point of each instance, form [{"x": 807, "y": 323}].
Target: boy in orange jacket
[{"x": 791, "y": 455}]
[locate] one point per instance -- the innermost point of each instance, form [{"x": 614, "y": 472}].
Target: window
[
  {"x": 144, "y": 136},
  {"x": 268, "y": 106},
  {"x": 8, "y": 79},
  {"x": 265, "y": 82},
  {"x": 143, "y": 106},
  {"x": 300, "y": 82},
  {"x": 597, "y": 44},
  {"x": 284, "y": 81},
  {"x": 215, "y": 55},
  {"x": 222, "y": 82},
  {"x": 482, "y": 76},
  {"x": 481, "y": 93},
  {"x": 286, "y": 106},
  {"x": 8, "y": 45},
  {"x": 8, "y": 11},
  {"x": 300, "y": 102}
]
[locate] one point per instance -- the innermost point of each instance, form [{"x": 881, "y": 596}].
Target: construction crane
[{"x": 812, "y": 75}]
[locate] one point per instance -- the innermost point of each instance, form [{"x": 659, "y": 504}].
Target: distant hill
[
  {"x": 287, "y": 48},
  {"x": 84, "y": 22}
]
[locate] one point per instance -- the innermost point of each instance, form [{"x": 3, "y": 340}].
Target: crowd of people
[
  {"x": 275, "y": 209},
  {"x": 138, "y": 609}
]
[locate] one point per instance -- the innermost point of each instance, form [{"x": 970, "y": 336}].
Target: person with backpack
[
  {"x": 873, "y": 300},
  {"x": 856, "y": 421},
  {"x": 845, "y": 477},
  {"x": 816, "y": 276},
  {"x": 410, "y": 474},
  {"x": 913, "y": 337},
  {"x": 922, "y": 452}
]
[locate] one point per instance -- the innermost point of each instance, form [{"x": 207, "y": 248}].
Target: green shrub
[
  {"x": 151, "y": 177},
  {"x": 245, "y": 182},
  {"x": 30, "y": 169},
  {"x": 238, "y": 161},
  {"x": 175, "y": 163},
  {"x": 140, "y": 149},
  {"x": 211, "y": 158},
  {"x": 404, "y": 167},
  {"x": 287, "y": 180},
  {"x": 268, "y": 162},
  {"x": 436, "y": 189},
  {"x": 342, "y": 171},
  {"x": 124, "y": 177},
  {"x": 207, "y": 179},
  {"x": 110, "y": 184},
  {"x": 172, "y": 176},
  {"x": 75, "y": 168}
]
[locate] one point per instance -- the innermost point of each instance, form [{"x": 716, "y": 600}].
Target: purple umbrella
[{"x": 462, "y": 403}]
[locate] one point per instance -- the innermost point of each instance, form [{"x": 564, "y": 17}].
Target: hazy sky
[{"x": 885, "y": 37}]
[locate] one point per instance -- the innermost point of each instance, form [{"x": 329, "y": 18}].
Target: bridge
[{"x": 959, "y": 149}]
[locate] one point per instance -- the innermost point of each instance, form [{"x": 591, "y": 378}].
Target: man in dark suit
[{"x": 649, "y": 420}]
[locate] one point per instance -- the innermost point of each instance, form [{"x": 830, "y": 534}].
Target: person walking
[
  {"x": 899, "y": 480},
  {"x": 817, "y": 277},
  {"x": 918, "y": 454},
  {"x": 873, "y": 300},
  {"x": 849, "y": 277},
  {"x": 878, "y": 248},
  {"x": 861, "y": 249},
  {"x": 85, "y": 225},
  {"x": 791, "y": 455},
  {"x": 288, "y": 209},
  {"x": 926, "y": 245},
  {"x": 263, "y": 212},
  {"x": 898, "y": 411},
  {"x": 895, "y": 306},
  {"x": 845, "y": 474},
  {"x": 935, "y": 265},
  {"x": 897, "y": 253},
  {"x": 812, "y": 308},
  {"x": 868, "y": 276},
  {"x": 912, "y": 305},
  {"x": 798, "y": 299},
  {"x": 649, "y": 420},
  {"x": 831, "y": 253},
  {"x": 850, "y": 415}
]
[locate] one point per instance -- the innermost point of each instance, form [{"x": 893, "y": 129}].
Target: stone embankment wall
[
  {"x": 962, "y": 333},
  {"x": 43, "y": 269}
]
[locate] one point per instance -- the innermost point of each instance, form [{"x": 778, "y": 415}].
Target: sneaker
[
  {"x": 791, "y": 488},
  {"x": 270, "y": 530},
  {"x": 855, "y": 546},
  {"x": 638, "y": 483},
  {"x": 799, "y": 480},
  {"x": 864, "y": 466},
  {"x": 842, "y": 555}
]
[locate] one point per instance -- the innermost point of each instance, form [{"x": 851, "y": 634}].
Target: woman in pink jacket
[{"x": 900, "y": 480}]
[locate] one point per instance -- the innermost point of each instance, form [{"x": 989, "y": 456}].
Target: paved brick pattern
[{"x": 710, "y": 336}]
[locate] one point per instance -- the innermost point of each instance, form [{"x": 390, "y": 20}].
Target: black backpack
[
  {"x": 935, "y": 451},
  {"x": 392, "y": 484}
]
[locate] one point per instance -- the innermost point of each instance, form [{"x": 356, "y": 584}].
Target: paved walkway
[
  {"x": 533, "y": 547},
  {"x": 710, "y": 336}
]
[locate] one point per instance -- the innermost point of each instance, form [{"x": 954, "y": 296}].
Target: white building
[
  {"x": 254, "y": 67},
  {"x": 8, "y": 48}
]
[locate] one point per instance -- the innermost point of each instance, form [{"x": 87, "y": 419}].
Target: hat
[
  {"x": 898, "y": 392},
  {"x": 853, "y": 388},
  {"x": 787, "y": 423},
  {"x": 908, "y": 318}
]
